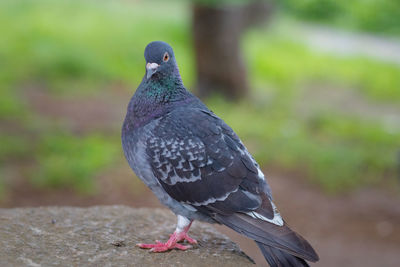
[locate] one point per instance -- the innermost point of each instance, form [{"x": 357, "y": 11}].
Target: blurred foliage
[
  {"x": 379, "y": 16},
  {"x": 82, "y": 48},
  {"x": 80, "y": 45},
  {"x": 70, "y": 161},
  {"x": 222, "y": 2},
  {"x": 277, "y": 59}
]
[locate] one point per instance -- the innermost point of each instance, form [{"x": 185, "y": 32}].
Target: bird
[{"x": 198, "y": 167}]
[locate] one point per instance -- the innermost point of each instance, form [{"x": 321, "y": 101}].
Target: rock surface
[{"x": 105, "y": 236}]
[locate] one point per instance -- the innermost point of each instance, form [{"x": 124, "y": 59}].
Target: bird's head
[{"x": 159, "y": 58}]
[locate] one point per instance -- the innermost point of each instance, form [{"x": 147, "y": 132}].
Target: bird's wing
[{"x": 200, "y": 161}]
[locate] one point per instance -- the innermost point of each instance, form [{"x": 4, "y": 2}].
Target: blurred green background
[
  {"x": 65, "y": 52},
  {"x": 326, "y": 117}
]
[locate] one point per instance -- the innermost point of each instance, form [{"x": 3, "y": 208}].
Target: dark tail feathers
[
  {"x": 280, "y": 246},
  {"x": 279, "y": 258}
]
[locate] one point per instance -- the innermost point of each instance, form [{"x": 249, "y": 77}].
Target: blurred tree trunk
[{"x": 217, "y": 30}]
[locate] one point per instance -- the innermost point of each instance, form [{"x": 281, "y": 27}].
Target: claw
[
  {"x": 166, "y": 247},
  {"x": 179, "y": 235},
  {"x": 189, "y": 239},
  {"x": 171, "y": 243}
]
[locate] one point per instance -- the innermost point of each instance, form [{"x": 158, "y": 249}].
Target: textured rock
[{"x": 105, "y": 236}]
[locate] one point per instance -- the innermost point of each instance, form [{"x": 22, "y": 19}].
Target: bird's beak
[{"x": 151, "y": 68}]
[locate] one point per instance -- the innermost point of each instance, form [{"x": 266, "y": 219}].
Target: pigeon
[{"x": 198, "y": 167}]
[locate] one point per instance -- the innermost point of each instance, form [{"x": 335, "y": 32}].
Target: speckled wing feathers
[{"x": 199, "y": 160}]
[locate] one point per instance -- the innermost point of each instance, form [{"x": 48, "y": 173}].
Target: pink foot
[
  {"x": 171, "y": 243},
  {"x": 162, "y": 247},
  {"x": 184, "y": 236}
]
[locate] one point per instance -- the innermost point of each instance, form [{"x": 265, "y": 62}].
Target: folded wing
[{"x": 200, "y": 161}]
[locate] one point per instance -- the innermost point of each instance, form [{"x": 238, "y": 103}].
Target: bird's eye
[{"x": 166, "y": 57}]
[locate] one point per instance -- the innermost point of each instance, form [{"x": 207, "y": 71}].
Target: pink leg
[{"x": 178, "y": 236}]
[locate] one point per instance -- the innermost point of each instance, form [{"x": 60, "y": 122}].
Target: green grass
[
  {"x": 80, "y": 45},
  {"x": 14, "y": 146},
  {"x": 72, "y": 161},
  {"x": 277, "y": 59},
  {"x": 82, "y": 48},
  {"x": 378, "y": 16}
]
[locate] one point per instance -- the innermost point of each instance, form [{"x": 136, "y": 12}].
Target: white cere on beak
[
  {"x": 151, "y": 66},
  {"x": 151, "y": 69}
]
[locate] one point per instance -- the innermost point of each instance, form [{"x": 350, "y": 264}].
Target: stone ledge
[{"x": 105, "y": 236}]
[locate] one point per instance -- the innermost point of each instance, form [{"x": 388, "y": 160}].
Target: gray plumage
[{"x": 197, "y": 166}]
